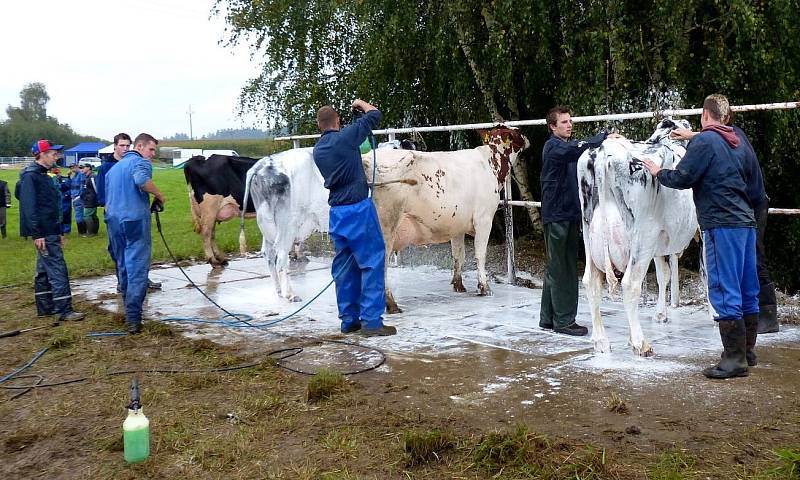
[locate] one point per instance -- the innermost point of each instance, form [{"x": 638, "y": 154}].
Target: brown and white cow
[
  {"x": 444, "y": 196},
  {"x": 216, "y": 191}
]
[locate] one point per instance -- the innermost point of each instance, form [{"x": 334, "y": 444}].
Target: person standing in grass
[
  {"x": 127, "y": 190},
  {"x": 88, "y": 197},
  {"x": 122, "y": 144},
  {"x": 40, "y": 219},
  {"x": 5, "y": 202}
]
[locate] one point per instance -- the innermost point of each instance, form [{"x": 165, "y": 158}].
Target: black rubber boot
[
  {"x": 734, "y": 341},
  {"x": 3, "y": 231},
  {"x": 768, "y": 319},
  {"x": 94, "y": 228},
  {"x": 81, "y": 228},
  {"x": 751, "y": 329}
]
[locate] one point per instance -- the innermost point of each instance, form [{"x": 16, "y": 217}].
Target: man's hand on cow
[
  {"x": 682, "y": 134},
  {"x": 651, "y": 166}
]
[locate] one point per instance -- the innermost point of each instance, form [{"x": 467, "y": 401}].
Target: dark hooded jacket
[{"x": 39, "y": 203}]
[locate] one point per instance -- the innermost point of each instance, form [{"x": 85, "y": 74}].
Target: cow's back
[{"x": 219, "y": 175}]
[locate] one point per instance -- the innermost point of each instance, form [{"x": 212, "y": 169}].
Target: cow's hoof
[
  {"x": 485, "y": 292},
  {"x": 645, "y": 351},
  {"x": 459, "y": 287},
  {"x": 392, "y": 309},
  {"x": 661, "y": 317},
  {"x": 295, "y": 298},
  {"x": 602, "y": 346}
]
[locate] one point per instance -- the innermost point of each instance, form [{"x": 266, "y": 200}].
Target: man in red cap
[{"x": 40, "y": 219}]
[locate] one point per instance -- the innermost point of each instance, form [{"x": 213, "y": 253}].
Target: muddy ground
[{"x": 258, "y": 423}]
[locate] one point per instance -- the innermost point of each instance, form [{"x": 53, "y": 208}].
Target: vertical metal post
[
  {"x": 296, "y": 143},
  {"x": 391, "y": 136},
  {"x": 509, "y": 220}
]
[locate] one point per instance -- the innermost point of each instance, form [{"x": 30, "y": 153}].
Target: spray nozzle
[{"x": 136, "y": 403}]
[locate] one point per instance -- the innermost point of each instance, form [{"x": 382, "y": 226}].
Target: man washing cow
[
  {"x": 561, "y": 213},
  {"x": 358, "y": 267},
  {"x": 713, "y": 170},
  {"x": 767, "y": 303}
]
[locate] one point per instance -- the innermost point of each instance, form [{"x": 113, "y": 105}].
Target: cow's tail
[
  {"x": 248, "y": 179},
  {"x": 603, "y": 193}
]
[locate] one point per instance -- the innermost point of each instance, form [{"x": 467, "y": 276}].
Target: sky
[{"x": 125, "y": 65}]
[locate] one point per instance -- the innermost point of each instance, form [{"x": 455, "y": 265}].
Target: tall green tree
[
  {"x": 463, "y": 61},
  {"x": 33, "y": 103}
]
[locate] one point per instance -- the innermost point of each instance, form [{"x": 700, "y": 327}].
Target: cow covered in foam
[
  {"x": 440, "y": 196},
  {"x": 628, "y": 220},
  {"x": 216, "y": 192},
  {"x": 291, "y": 203}
]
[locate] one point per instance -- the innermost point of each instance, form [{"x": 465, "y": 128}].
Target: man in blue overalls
[
  {"x": 127, "y": 216},
  {"x": 358, "y": 267},
  {"x": 713, "y": 169}
]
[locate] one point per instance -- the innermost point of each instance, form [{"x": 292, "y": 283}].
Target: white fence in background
[
  {"x": 507, "y": 204},
  {"x": 16, "y": 161}
]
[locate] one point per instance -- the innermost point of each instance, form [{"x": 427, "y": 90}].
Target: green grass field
[{"x": 88, "y": 256}]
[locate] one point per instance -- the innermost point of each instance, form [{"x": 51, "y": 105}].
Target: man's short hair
[
  {"x": 717, "y": 107},
  {"x": 326, "y": 118},
  {"x": 552, "y": 114},
  {"x": 144, "y": 139},
  {"x": 121, "y": 136}
]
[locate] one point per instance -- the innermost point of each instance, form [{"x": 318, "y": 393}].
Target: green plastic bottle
[
  {"x": 365, "y": 146},
  {"x": 136, "y": 429}
]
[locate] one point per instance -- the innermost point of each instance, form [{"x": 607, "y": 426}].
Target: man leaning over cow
[
  {"x": 561, "y": 214},
  {"x": 714, "y": 172},
  {"x": 358, "y": 267},
  {"x": 767, "y": 303}
]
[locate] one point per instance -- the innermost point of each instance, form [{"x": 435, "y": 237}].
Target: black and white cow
[
  {"x": 291, "y": 203},
  {"x": 628, "y": 220},
  {"x": 216, "y": 191}
]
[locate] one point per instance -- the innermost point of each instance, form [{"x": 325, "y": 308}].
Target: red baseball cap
[{"x": 41, "y": 146}]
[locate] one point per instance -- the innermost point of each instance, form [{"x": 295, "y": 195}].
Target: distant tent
[
  {"x": 85, "y": 149},
  {"x": 106, "y": 152}
]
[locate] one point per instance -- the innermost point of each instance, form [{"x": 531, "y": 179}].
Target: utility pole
[{"x": 190, "y": 112}]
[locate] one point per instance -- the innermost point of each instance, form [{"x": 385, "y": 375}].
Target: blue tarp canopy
[{"x": 85, "y": 149}]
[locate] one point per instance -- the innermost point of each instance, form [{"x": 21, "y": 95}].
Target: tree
[
  {"x": 466, "y": 61},
  {"x": 33, "y": 103}
]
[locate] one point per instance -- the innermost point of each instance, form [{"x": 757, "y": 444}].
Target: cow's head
[
  {"x": 505, "y": 144},
  {"x": 665, "y": 126}
]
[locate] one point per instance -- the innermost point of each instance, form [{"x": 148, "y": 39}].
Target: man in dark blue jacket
[
  {"x": 358, "y": 267},
  {"x": 713, "y": 169},
  {"x": 561, "y": 213},
  {"x": 40, "y": 219}
]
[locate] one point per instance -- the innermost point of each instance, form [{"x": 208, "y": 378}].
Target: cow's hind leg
[
  {"x": 208, "y": 222},
  {"x": 593, "y": 282},
  {"x": 269, "y": 256},
  {"x": 283, "y": 244},
  {"x": 480, "y": 244},
  {"x": 674, "y": 283},
  {"x": 662, "y": 275},
  {"x": 631, "y": 290},
  {"x": 457, "y": 247}
]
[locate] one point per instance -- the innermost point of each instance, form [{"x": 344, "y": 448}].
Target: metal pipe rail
[{"x": 507, "y": 204}]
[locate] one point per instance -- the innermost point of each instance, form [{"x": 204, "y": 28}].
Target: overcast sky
[{"x": 125, "y": 65}]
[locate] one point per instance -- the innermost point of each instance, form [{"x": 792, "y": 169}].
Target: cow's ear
[{"x": 484, "y": 134}]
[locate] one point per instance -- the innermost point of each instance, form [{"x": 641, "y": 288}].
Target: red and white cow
[
  {"x": 628, "y": 220},
  {"x": 291, "y": 203},
  {"x": 440, "y": 196}
]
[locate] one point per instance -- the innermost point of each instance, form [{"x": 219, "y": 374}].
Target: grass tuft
[
  {"x": 324, "y": 384},
  {"x": 424, "y": 446},
  {"x": 159, "y": 329},
  {"x": 62, "y": 339},
  {"x": 616, "y": 404},
  {"x": 674, "y": 465}
]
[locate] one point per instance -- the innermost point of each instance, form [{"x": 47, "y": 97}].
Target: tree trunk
[{"x": 488, "y": 96}]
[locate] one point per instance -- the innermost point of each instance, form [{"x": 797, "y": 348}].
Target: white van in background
[{"x": 181, "y": 155}]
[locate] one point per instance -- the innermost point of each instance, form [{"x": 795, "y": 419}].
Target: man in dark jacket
[
  {"x": 358, "y": 267},
  {"x": 5, "y": 202},
  {"x": 561, "y": 213},
  {"x": 40, "y": 219},
  {"x": 88, "y": 195},
  {"x": 713, "y": 169},
  {"x": 767, "y": 303}
]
